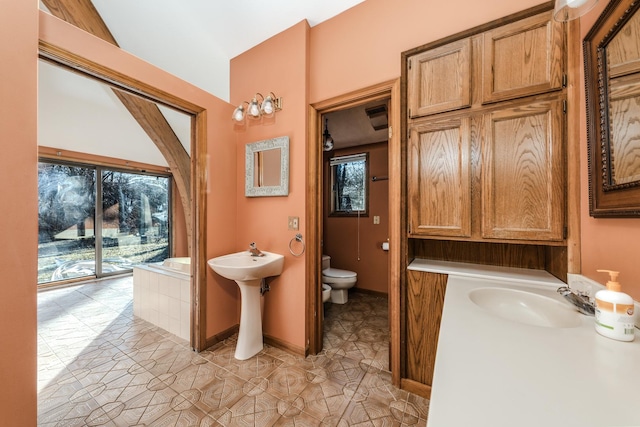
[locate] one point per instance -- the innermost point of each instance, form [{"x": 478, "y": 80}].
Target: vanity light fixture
[
  {"x": 257, "y": 108},
  {"x": 327, "y": 141},
  {"x": 567, "y": 10},
  {"x": 238, "y": 113}
]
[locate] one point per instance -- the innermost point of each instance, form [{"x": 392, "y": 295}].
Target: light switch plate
[{"x": 294, "y": 223}]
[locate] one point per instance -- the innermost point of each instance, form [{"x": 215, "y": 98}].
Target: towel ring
[{"x": 298, "y": 238}]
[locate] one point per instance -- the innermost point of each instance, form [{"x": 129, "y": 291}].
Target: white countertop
[{"x": 495, "y": 372}]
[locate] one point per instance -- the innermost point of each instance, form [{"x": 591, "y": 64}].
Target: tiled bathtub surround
[
  {"x": 162, "y": 296},
  {"x": 100, "y": 365}
]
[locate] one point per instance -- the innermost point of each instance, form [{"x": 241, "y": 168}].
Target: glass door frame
[{"x": 98, "y": 215}]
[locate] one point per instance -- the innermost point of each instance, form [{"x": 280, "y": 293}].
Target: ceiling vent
[{"x": 378, "y": 117}]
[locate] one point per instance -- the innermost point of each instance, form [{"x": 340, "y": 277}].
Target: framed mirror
[
  {"x": 612, "y": 79},
  {"x": 267, "y": 168}
]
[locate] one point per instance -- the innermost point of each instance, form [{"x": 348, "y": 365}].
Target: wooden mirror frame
[{"x": 605, "y": 198}]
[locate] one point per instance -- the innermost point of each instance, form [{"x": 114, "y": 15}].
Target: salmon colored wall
[
  {"x": 612, "y": 244},
  {"x": 362, "y": 46},
  {"x": 19, "y": 224},
  {"x": 279, "y": 65},
  {"x": 221, "y": 196},
  {"x": 340, "y": 239}
]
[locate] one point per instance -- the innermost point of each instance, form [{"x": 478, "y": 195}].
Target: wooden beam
[{"x": 84, "y": 15}]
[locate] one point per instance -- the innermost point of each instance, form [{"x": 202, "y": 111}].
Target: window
[
  {"x": 89, "y": 213},
  {"x": 349, "y": 189}
]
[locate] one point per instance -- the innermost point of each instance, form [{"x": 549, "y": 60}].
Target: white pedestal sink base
[
  {"x": 250, "y": 333},
  {"x": 248, "y": 271}
]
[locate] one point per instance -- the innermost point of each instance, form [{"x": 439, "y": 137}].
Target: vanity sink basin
[
  {"x": 525, "y": 307},
  {"x": 241, "y": 266}
]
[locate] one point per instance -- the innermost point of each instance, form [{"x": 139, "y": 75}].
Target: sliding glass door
[{"x": 120, "y": 220}]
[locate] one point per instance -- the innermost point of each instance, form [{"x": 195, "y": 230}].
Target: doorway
[
  {"x": 387, "y": 93},
  {"x": 191, "y": 172}
]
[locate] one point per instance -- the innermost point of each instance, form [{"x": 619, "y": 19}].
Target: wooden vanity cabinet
[
  {"x": 486, "y": 166},
  {"x": 424, "y": 305}
]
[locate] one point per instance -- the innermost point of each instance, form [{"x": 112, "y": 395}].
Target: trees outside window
[
  {"x": 349, "y": 175},
  {"x": 120, "y": 220}
]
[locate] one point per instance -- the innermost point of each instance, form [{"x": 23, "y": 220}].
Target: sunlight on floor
[{"x": 71, "y": 319}]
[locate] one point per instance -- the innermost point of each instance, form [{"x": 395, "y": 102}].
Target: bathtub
[
  {"x": 162, "y": 295},
  {"x": 182, "y": 264}
]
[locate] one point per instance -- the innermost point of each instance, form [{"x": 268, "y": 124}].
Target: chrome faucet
[
  {"x": 579, "y": 299},
  {"x": 253, "y": 249}
]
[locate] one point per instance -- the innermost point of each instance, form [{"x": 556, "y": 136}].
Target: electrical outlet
[
  {"x": 376, "y": 219},
  {"x": 293, "y": 223}
]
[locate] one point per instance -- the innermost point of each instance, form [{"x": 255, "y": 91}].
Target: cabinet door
[
  {"x": 440, "y": 79},
  {"x": 523, "y": 58},
  {"x": 439, "y": 183},
  {"x": 523, "y": 173},
  {"x": 425, "y": 301}
]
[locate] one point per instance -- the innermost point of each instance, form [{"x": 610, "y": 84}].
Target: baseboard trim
[
  {"x": 416, "y": 388},
  {"x": 283, "y": 345},
  {"x": 370, "y": 292},
  {"x": 211, "y": 341}
]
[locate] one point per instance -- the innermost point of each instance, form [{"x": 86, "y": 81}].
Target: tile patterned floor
[{"x": 98, "y": 365}]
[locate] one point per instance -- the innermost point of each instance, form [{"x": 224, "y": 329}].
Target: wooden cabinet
[
  {"x": 523, "y": 58},
  {"x": 519, "y": 59},
  {"x": 424, "y": 304},
  {"x": 485, "y": 164},
  {"x": 523, "y": 172},
  {"x": 440, "y": 79},
  {"x": 440, "y": 177},
  {"x": 493, "y": 170}
]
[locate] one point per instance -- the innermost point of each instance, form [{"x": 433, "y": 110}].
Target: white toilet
[
  {"x": 326, "y": 292},
  {"x": 339, "y": 280}
]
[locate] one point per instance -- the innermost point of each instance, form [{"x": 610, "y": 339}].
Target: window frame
[
  {"x": 98, "y": 169},
  {"x": 348, "y": 158}
]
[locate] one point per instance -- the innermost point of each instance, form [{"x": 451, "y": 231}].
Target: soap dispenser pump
[{"x": 614, "y": 311}]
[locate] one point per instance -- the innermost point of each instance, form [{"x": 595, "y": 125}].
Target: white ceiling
[
  {"x": 192, "y": 39},
  {"x": 195, "y": 39}
]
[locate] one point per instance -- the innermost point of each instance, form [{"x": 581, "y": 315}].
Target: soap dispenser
[{"x": 614, "y": 311}]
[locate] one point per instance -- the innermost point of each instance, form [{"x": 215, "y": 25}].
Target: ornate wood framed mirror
[{"x": 612, "y": 79}]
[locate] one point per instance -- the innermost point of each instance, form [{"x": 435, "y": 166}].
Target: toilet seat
[
  {"x": 339, "y": 280},
  {"x": 338, "y": 273}
]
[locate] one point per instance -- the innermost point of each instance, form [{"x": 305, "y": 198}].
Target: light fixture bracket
[{"x": 327, "y": 140}]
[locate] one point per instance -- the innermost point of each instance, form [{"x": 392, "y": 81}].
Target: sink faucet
[
  {"x": 579, "y": 299},
  {"x": 253, "y": 249}
]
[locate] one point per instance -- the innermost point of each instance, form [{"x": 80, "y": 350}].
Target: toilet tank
[{"x": 326, "y": 262}]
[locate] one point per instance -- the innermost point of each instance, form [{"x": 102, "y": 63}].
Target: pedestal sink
[{"x": 248, "y": 271}]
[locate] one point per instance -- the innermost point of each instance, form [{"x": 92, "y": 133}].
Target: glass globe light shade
[
  {"x": 238, "y": 114},
  {"x": 567, "y": 10},
  {"x": 253, "y": 110},
  {"x": 267, "y": 106}
]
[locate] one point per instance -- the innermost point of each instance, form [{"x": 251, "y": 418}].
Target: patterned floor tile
[{"x": 100, "y": 365}]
